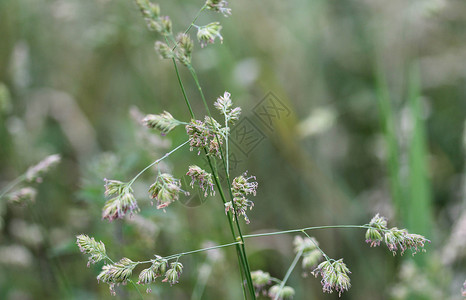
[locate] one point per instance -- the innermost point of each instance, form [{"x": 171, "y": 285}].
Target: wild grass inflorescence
[{"x": 210, "y": 137}]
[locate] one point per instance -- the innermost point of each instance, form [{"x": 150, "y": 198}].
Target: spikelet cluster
[
  {"x": 395, "y": 239},
  {"x": 122, "y": 200},
  {"x": 334, "y": 276},
  {"x": 241, "y": 188}
]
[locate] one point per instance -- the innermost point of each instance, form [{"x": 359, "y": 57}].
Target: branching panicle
[
  {"x": 395, "y": 239},
  {"x": 206, "y": 135}
]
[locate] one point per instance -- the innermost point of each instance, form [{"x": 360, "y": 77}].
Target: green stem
[
  {"x": 192, "y": 23},
  {"x": 240, "y": 249},
  {"x": 308, "y": 228},
  {"x": 317, "y": 246},
  {"x": 156, "y": 162},
  {"x": 186, "y": 100},
  {"x": 224, "y": 160},
  {"x": 200, "y": 250},
  {"x": 195, "y": 18},
  {"x": 288, "y": 273},
  {"x": 136, "y": 287}
]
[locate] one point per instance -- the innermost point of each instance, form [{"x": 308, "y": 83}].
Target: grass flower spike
[
  {"x": 334, "y": 276},
  {"x": 163, "y": 122},
  {"x": 163, "y": 50},
  {"x": 122, "y": 202},
  {"x": 395, "y": 239},
  {"x": 206, "y": 135},
  {"x": 208, "y": 33},
  {"x": 173, "y": 274},
  {"x": 117, "y": 273},
  {"x": 165, "y": 190},
  {"x": 203, "y": 178},
  {"x": 374, "y": 235},
  {"x": 157, "y": 269},
  {"x": 224, "y": 104},
  {"x": 23, "y": 196},
  {"x": 242, "y": 187},
  {"x": 34, "y": 173},
  {"x": 400, "y": 239},
  {"x": 260, "y": 280},
  {"x": 219, "y": 6},
  {"x": 90, "y": 246},
  {"x": 184, "y": 48}
]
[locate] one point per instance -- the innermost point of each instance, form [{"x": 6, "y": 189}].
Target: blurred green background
[{"x": 373, "y": 99}]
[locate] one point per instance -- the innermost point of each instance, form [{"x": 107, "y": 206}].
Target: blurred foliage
[{"x": 375, "y": 95}]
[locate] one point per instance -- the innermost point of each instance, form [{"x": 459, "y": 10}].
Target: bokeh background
[{"x": 372, "y": 97}]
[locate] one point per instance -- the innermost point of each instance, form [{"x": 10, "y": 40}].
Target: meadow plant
[
  {"x": 27, "y": 192},
  {"x": 211, "y": 138}
]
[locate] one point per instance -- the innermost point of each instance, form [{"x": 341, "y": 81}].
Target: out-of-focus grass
[{"x": 386, "y": 141}]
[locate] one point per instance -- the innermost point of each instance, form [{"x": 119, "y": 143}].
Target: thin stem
[
  {"x": 136, "y": 287},
  {"x": 227, "y": 171},
  {"x": 186, "y": 100},
  {"x": 200, "y": 250},
  {"x": 195, "y": 18},
  {"x": 12, "y": 184},
  {"x": 288, "y": 273},
  {"x": 275, "y": 280},
  {"x": 156, "y": 162},
  {"x": 308, "y": 228},
  {"x": 317, "y": 246},
  {"x": 191, "y": 25}
]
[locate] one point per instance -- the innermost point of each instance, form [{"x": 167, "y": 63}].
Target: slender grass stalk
[
  {"x": 302, "y": 230},
  {"x": 306, "y": 229},
  {"x": 157, "y": 161},
  {"x": 317, "y": 246},
  {"x": 288, "y": 272}
]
